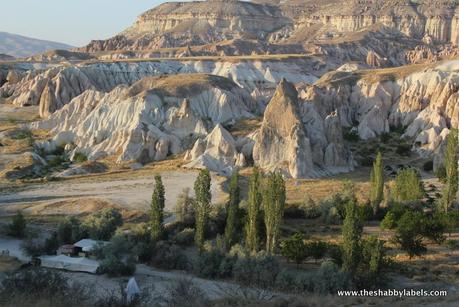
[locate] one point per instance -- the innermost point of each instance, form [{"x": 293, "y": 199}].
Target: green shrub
[
  {"x": 294, "y": 248},
  {"x": 35, "y": 284},
  {"x": 335, "y": 252},
  {"x": 329, "y": 279},
  {"x": 185, "y": 293},
  {"x": 21, "y": 135},
  {"x": 409, "y": 233},
  {"x": 389, "y": 221},
  {"x": 441, "y": 173},
  {"x": 185, "y": 237},
  {"x": 209, "y": 264},
  {"x": 184, "y": 208},
  {"x": 117, "y": 258},
  {"x": 285, "y": 280},
  {"x": 260, "y": 271},
  {"x": 69, "y": 231},
  {"x": 316, "y": 249},
  {"x": 103, "y": 224},
  {"x": 56, "y": 161},
  {"x": 17, "y": 227},
  {"x": 452, "y": 244},
  {"x": 403, "y": 149},
  {"x": 116, "y": 266},
  {"x": 33, "y": 247},
  {"x": 428, "y": 166},
  {"x": 80, "y": 157},
  {"x": 351, "y": 135},
  {"x": 169, "y": 257}
]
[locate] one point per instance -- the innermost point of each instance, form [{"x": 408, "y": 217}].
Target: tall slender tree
[
  {"x": 157, "y": 209},
  {"x": 377, "y": 183},
  {"x": 232, "y": 211},
  {"x": 352, "y": 234},
  {"x": 274, "y": 203},
  {"x": 451, "y": 159},
  {"x": 253, "y": 211},
  {"x": 202, "y": 205}
]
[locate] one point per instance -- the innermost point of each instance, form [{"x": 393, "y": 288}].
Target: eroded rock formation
[{"x": 149, "y": 120}]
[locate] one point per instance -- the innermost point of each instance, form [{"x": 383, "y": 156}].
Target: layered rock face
[
  {"x": 53, "y": 88},
  {"x": 290, "y": 23},
  {"x": 423, "y": 99},
  {"x": 417, "y": 19},
  {"x": 147, "y": 121},
  {"x": 195, "y": 23},
  {"x": 296, "y": 140}
]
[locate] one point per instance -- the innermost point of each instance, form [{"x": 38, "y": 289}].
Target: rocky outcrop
[
  {"x": 27, "y": 165},
  {"x": 281, "y": 144},
  {"x": 217, "y": 152},
  {"x": 195, "y": 23},
  {"x": 57, "y": 86},
  {"x": 296, "y": 139},
  {"x": 149, "y": 120},
  {"x": 422, "y": 99}
]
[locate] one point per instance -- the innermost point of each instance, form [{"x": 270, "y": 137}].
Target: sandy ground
[{"x": 130, "y": 192}]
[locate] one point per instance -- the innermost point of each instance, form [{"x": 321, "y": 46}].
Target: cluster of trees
[
  {"x": 100, "y": 225},
  {"x": 363, "y": 259},
  {"x": 406, "y": 212},
  {"x": 264, "y": 210}
]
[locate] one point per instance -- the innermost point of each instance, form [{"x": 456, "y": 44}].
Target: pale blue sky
[{"x": 73, "y": 22}]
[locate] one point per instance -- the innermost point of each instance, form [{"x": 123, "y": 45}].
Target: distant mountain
[{"x": 21, "y": 46}]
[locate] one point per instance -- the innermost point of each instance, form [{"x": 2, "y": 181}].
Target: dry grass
[
  {"x": 180, "y": 85},
  {"x": 372, "y": 75},
  {"x": 8, "y": 263},
  {"x": 245, "y": 126},
  {"x": 318, "y": 189}
]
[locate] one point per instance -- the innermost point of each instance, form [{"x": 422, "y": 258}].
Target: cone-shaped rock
[{"x": 282, "y": 144}]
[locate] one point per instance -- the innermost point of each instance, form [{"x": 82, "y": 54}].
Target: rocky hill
[
  {"x": 21, "y": 46},
  {"x": 195, "y": 23}
]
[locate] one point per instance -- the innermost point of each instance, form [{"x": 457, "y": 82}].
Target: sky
[{"x": 74, "y": 22}]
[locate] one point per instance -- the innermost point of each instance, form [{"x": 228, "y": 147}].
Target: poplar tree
[
  {"x": 377, "y": 183},
  {"x": 232, "y": 210},
  {"x": 352, "y": 234},
  {"x": 451, "y": 159},
  {"x": 274, "y": 203},
  {"x": 202, "y": 205},
  {"x": 157, "y": 210},
  {"x": 253, "y": 211}
]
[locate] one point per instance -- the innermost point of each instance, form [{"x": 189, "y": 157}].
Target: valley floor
[{"x": 127, "y": 190}]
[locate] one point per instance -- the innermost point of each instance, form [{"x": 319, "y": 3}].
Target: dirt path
[{"x": 128, "y": 192}]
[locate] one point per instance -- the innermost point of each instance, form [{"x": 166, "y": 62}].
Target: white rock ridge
[
  {"x": 217, "y": 152},
  {"x": 54, "y": 87},
  {"x": 148, "y": 121}
]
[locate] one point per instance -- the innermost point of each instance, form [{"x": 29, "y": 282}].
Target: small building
[
  {"x": 67, "y": 249},
  {"x": 85, "y": 247},
  {"x": 64, "y": 262}
]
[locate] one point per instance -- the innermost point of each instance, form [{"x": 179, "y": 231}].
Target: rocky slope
[
  {"x": 393, "y": 31},
  {"x": 154, "y": 118},
  {"x": 21, "y": 46},
  {"x": 295, "y": 139},
  {"x": 54, "y": 87},
  {"x": 421, "y": 99},
  {"x": 195, "y": 23}
]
